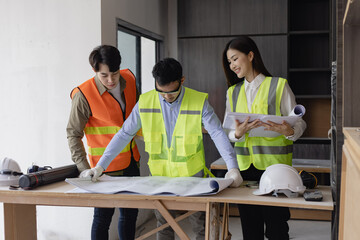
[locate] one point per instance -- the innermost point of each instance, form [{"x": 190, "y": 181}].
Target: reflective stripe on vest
[
  {"x": 261, "y": 151},
  {"x": 102, "y": 130},
  {"x": 242, "y": 151},
  {"x": 150, "y": 110},
  {"x": 272, "y": 149},
  {"x": 107, "y": 119},
  {"x": 100, "y": 151},
  {"x": 235, "y": 95},
  {"x": 185, "y": 156}
]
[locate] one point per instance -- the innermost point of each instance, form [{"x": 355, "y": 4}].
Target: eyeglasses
[
  {"x": 170, "y": 92},
  {"x": 9, "y": 172}
]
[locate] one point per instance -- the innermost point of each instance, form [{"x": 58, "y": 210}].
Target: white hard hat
[
  {"x": 280, "y": 178},
  {"x": 10, "y": 172}
]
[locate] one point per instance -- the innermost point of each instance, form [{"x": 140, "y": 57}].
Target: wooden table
[
  {"x": 350, "y": 191},
  {"x": 315, "y": 166},
  {"x": 20, "y": 205},
  {"x": 309, "y": 165}
]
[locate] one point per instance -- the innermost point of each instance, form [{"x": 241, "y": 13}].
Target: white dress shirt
[{"x": 286, "y": 106}]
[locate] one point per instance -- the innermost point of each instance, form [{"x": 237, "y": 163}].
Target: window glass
[
  {"x": 127, "y": 47},
  {"x": 148, "y": 60},
  {"x": 139, "y": 51}
]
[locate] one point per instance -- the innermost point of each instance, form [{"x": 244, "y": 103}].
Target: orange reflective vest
[{"x": 107, "y": 119}]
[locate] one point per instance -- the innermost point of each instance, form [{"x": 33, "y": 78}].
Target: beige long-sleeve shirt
[{"x": 79, "y": 116}]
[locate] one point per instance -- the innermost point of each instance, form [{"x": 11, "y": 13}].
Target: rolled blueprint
[
  {"x": 32, "y": 180},
  {"x": 299, "y": 110}
]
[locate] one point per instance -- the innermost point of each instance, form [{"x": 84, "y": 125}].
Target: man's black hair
[
  {"x": 105, "y": 54},
  {"x": 167, "y": 71}
]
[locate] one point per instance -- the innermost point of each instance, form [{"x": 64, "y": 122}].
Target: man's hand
[
  {"x": 94, "y": 173},
  {"x": 234, "y": 174}
]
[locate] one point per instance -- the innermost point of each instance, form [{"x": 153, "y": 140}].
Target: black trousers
[
  {"x": 127, "y": 219},
  {"x": 253, "y": 217}
]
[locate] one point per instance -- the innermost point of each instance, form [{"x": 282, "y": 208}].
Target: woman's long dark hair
[{"x": 243, "y": 44}]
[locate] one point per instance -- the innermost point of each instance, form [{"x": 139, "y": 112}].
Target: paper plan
[{"x": 179, "y": 186}]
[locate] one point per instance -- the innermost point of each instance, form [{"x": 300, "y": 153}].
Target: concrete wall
[
  {"x": 157, "y": 16},
  {"x": 44, "y": 54}
]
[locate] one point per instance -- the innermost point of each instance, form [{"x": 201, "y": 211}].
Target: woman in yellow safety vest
[{"x": 252, "y": 89}]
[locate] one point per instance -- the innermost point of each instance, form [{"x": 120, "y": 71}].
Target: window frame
[{"x": 139, "y": 32}]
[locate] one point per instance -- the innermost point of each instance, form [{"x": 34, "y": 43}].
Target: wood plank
[
  {"x": 20, "y": 221},
  {"x": 317, "y": 117},
  {"x": 351, "y": 71},
  {"x": 212, "y": 221},
  {"x": 54, "y": 195},
  {"x": 165, "y": 213},
  {"x": 203, "y": 18},
  {"x": 350, "y": 192},
  {"x": 308, "y": 214},
  {"x": 152, "y": 232},
  {"x": 273, "y": 18},
  {"x": 352, "y": 16},
  {"x": 220, "y": 165},
  {"x": 306, "y": 168},
  {"x": 351, "y": 210},
  {"x": 342, "y": 192},
  {"x": 352, "y": 142},
  {"x": 295, "y": 213}
]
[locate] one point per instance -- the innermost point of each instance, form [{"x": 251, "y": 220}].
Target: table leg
[
  {"x": 212, "y": 221},
  {"x": 178, "y": 219},
  {"x": 165, "y": 213},
  {"x": 225, "y": 234},
  {"x": 20, "y": 221}
]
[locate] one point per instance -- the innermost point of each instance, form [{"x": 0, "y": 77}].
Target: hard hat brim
[
  {"x": 258, "y": 192},
  {"x": 8, "y": 182}
]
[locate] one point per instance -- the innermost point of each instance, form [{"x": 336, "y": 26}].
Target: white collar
[{"x": 256, "y": 82}]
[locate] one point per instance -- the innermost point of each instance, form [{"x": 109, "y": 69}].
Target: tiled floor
[{"x": 299, "y": 230}]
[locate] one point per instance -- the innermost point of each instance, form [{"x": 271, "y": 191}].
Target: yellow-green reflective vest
[
  {"x": 185, "y": 157},
  {"x": 261, "y": 151}
]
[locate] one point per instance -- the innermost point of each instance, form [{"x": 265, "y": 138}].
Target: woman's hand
[
  {"x": 284, "y": 128},
  {"x": 242, "y": 127}
]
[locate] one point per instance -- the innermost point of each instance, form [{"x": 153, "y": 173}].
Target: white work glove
[
  {"x": 234, "y": 174},
  {"x": 93, "y": 173}
]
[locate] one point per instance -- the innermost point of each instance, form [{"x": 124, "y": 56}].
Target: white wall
[{"x": 44, "y": 49}]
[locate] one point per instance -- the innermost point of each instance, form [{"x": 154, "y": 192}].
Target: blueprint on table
[{"x": 154, "y": 185}]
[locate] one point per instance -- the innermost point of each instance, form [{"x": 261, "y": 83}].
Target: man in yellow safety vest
[{"x": 171, "y": 117}]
